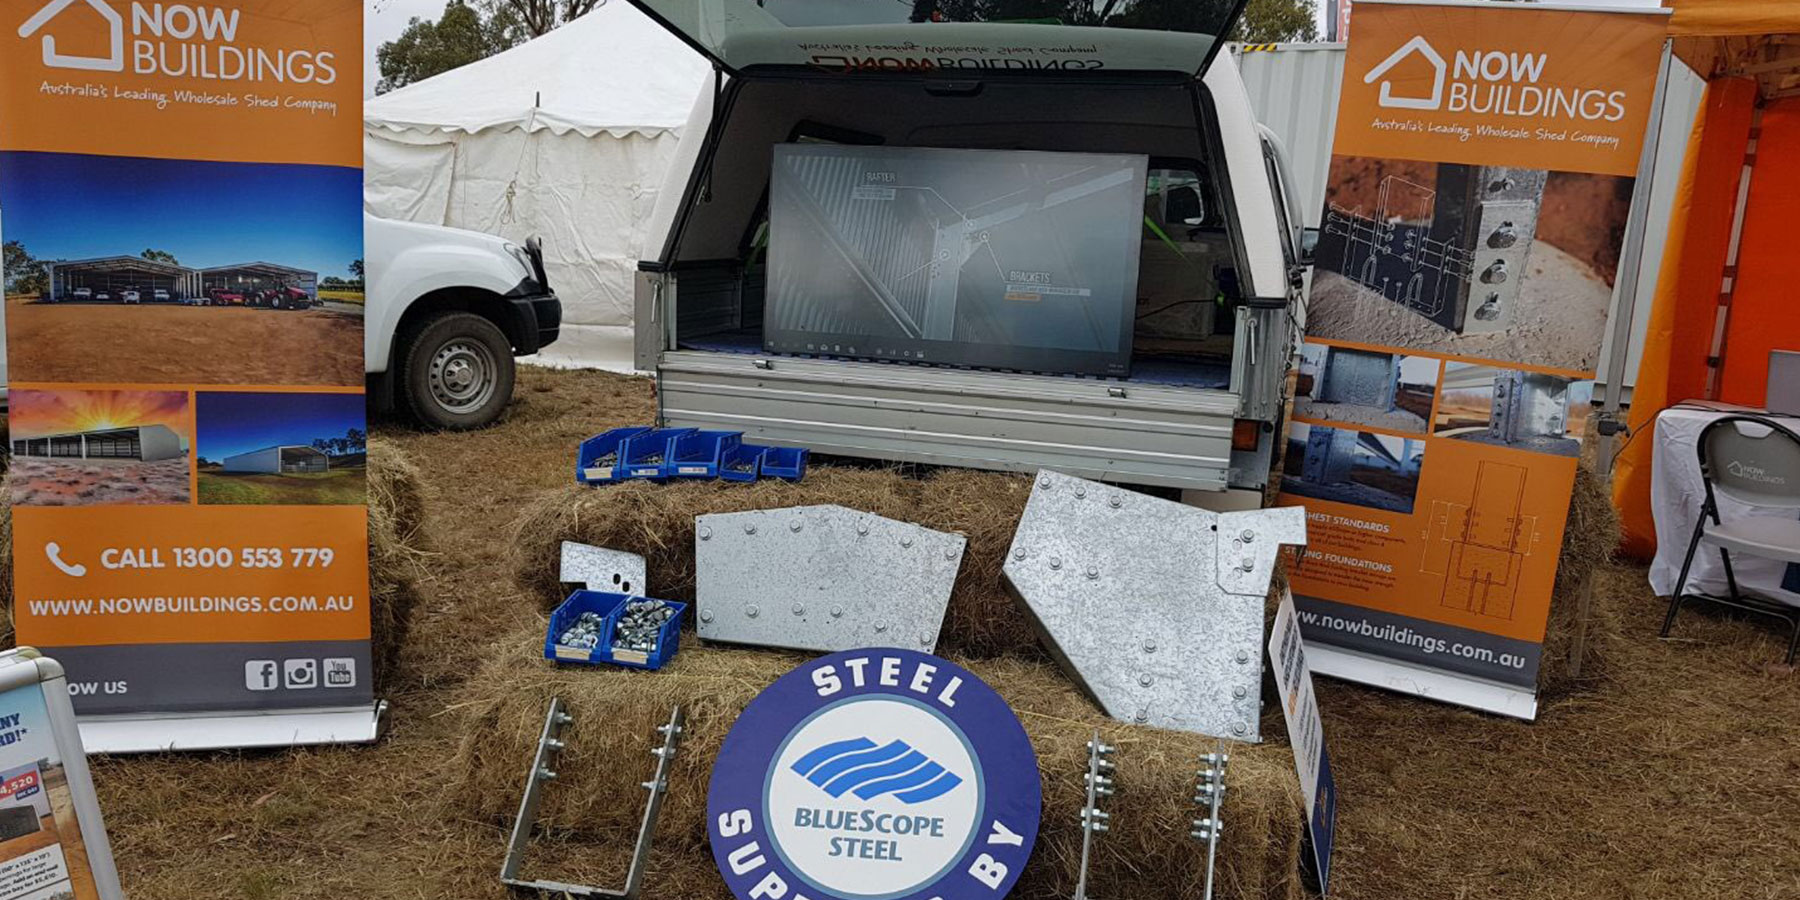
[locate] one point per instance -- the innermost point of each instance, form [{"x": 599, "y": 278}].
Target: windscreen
[
  {"x": 860, "y": 35},
  {"x": 988, "y": 258}
]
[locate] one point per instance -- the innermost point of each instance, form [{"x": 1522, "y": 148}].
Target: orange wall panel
[{"x": 1765, "y": 307}]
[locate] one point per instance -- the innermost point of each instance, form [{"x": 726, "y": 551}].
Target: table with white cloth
[{"x": 1676, "y": 493}]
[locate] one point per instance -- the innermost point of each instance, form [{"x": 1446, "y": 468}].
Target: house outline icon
[
  {"x": 1417, "y": 45},
  {"x": 113, "y": 63}
]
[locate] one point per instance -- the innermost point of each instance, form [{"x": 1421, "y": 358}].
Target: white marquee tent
[{"x": 567, "y": 137}]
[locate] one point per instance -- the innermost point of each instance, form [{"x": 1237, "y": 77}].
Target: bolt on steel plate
[
  {"x": 1154, "y": 608},
  {"x": 600, "y": 569},
  {"x": 822, "y": 578}
]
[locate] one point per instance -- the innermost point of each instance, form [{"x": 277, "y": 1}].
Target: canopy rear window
[{"x": 845, "y": 36}]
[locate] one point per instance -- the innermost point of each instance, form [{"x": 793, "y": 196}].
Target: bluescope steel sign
[{"x": 874, "y": 775}]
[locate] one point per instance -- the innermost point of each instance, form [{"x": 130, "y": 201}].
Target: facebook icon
[{"x": 261, "y": 675}]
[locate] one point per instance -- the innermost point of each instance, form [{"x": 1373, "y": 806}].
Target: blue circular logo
[{"x": 880, "y": 774}]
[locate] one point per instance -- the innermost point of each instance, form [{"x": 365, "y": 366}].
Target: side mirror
[
  {"x": 1309, "y": 243},
  {"x": 1183, "y": 204}
]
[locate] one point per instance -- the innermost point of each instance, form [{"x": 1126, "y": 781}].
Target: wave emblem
[{"x": 858, "y": 766}]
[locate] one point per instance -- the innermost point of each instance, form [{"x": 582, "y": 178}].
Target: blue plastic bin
[
  {"x": 742, "y": 463},
  {"x": 611, "y": 606},
  {"x": 785, "y": 462},
  {"x": 699, "y": 455},
  {"x": 599, "y": 459},
  {"x": 644, "y": 454}
]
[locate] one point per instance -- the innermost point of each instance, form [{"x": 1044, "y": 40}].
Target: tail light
[{"x": 1245, "y": 434}]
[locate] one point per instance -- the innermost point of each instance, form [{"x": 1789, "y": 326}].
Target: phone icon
[{"x": 54, "y": 551}]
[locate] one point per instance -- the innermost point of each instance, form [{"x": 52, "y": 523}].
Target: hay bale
[
  {"x": 596, "y": 800},
  {"x": 397, "y": 487},
  {"x": 396, "y": 553},
  {"x": 657, "y": 522},
  {"x": 1589, "y": 540}
]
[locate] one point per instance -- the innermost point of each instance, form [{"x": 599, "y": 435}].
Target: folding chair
[{"x": 1754, "y": 461}]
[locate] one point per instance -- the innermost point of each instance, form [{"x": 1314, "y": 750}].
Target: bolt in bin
[
  {"x": 611, "y": 607},
  {"x": 699, "y": 455},
  {"x": 785, "y": 462},
  {"x": 742, "y": 463},
  {"x": 599, "y": 459},
  {"x": 644, "y": 454}
]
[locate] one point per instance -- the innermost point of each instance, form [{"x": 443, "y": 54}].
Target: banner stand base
[
  {"x": 174, "y": 732},
  {"x": 1433, "y": 684}
]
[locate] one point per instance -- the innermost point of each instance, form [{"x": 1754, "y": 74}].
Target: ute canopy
[{"x": 1142, "y": 36}]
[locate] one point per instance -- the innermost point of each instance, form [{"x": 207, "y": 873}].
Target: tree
[
  {"x": 23, "y": 273},
  {"x": 356, "y": 269},
  {"x": 466, "y": 33},
  {"x": 1263, "y": 21},
  {"x": 323, "y": 445},
  {"x": 461, "y": 36},
  {"x": 162, "y": 256},
  {"x": 528, "y": 19},
  {"x": 1274, "y": 21},
  {"x": 357, "y": 439}
]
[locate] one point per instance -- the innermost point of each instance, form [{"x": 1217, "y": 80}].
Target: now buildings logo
[
  {"x": 112, "y": 62},
  {"x": 1752, "y": 472},
  {"x": 1491, "y": 82},
  {"x": 175, "y": 40}
]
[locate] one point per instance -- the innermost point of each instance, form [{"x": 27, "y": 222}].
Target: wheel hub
[{"x": 462, "y": 375}]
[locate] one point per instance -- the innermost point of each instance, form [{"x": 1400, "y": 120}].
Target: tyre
[{"x": 455, "y": 370}]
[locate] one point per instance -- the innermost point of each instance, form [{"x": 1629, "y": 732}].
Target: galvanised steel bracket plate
[
  {"x": 1155, "y": 608},
  {"x": 822, "y": 578},
  {"x": 600, "y": 569}
]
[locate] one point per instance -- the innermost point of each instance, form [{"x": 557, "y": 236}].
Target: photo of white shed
[
  {"x": 146, "y": 443},
  {"x": 293, "y": 459}
]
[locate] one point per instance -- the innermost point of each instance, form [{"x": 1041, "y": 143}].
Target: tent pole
[
  {"x": 1626, "y": 283},
  {"x": 1623, "y": 320}
]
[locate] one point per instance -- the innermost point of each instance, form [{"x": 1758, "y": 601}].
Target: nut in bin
[
  {"x": 639, "y": 626},
  {"x": 584, "y": 633}
]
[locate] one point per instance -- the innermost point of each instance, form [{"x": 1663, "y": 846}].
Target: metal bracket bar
[
  {"x": 1093, "y": 820},
  {"x": 601, "y": 569},
  {"x": 1209, "y": 793},
  {"x": 823, "y": 578},
  {"x": 1148, "y": 604},
  {"x": 550, "y": 744}
]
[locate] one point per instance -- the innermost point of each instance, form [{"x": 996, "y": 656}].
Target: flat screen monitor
[{"x": 999, "y": 259}]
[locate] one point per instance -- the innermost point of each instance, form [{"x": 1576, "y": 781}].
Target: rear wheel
[{"x": 456, "y": 370}]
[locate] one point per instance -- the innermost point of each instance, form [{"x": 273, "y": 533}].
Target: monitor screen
[{"x": 986, "y": 258}]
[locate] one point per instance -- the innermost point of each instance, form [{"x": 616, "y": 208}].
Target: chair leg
[
  {"x": 1687, "y": 565},
  {"x": 1730, "y": 577}
]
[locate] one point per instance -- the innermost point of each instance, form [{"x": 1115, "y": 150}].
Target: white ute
[{"x": 447, "y": 311}]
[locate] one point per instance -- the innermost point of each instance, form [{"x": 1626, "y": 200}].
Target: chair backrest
[{"x": 1753, "y": 460}]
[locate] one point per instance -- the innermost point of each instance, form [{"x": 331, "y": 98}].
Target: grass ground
[
  {"x": 1672, "y": 771},
  {"x": 171, "y": 344},
  {"x": 336, "y": 487}
]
